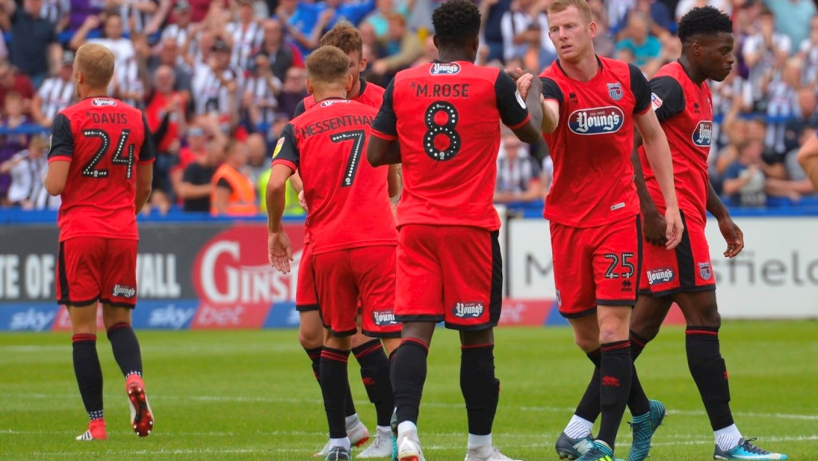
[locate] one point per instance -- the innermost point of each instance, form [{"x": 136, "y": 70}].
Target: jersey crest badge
[
  {"x": 278, "y": 146},
  {"x": 615, "y": 91},
  {"x": 704, "y": 271},
  {"x": 99, "y": 102},
  {"x": 444, "y": 68}
]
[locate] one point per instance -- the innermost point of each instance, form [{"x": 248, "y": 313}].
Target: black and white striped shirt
[
  {"x": 55, "y": 10},
  {"x": 178, "y": 33},
  {"x": 244, "y": 42},
  {"x": 212, "y": 97},
  {"x": 26, "y": 177},
  {"x": 141, "y": 19},
  {"x": 262, "y": 94},
  {"x": 56, "y": 94}
]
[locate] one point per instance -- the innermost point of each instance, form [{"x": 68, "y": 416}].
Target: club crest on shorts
[
  {"x": 468, "y": 310},
  {"x": 383, "y": 318},
  {"x": 615, "y": 91},
  {"x": 124, "y": 291},
  {"x": 704, "y": 271}
]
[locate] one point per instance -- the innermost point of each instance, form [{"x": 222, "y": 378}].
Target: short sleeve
[
  {"x": 286, "y": 150},
  {"x": 667, "y": 97},
  {"x": 640, "y": 89},
  {"x": 510, "y": 104},
  {"x": 385, "y": 125},
  {"x": 147, "y": 153},
  {"x": 62, "y": 140},
  {"x": 300, "y": 108},
  {"x": 550, "y": 90}
]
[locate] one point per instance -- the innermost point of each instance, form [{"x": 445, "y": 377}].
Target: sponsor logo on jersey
[
  {"x": 124, "y": 291},
  {"x": 705, "y": 271},
  {"x": 599, "y": 120},
  {"x": 444, "y": 68},
  {"x": 660, "y": 275},
  {"x": 656, "y": 101},
  {"x": 627, "y": 286},
  {"x": 615, "y": 91},
  {"x": 703, "y": 134},
  {"x": 383, "y": 318},
  {"x": 468, "y": 310},
  {"x": 330, "y": 102},
  {"x": 103, "y": 102}
]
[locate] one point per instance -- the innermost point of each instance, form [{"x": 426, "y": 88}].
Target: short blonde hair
[
  {"x": 328, "y": 65},
  {"x": 96, "y": 62},
  {"x": 581, "y": 6}
]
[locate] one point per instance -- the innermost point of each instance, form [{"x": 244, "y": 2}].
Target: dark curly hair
[
  {"x": 456, "y": 22},
  {"x": 704, "y": 21}
]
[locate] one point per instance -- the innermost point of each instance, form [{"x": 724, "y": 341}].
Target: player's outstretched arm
[
  {"x": 278, "y": 243},
  {"x": 144, "y": 179},
  {"x": 380, "y": 152},
  {"x": 658, "y": 153},
  {"x": 729, "y": 230},
  {"x": 653, "y": 223},
  {"x": 808, "y": 158}
]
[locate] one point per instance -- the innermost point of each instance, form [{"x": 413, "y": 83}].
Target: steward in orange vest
[{"x": 233, "y": 193}]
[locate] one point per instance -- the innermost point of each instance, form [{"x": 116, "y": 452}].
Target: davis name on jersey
[{"x": 599, "y": 120}]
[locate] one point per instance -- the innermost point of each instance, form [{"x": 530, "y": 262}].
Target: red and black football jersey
[
  {"x": 685, "y": 111},
  {"x": 104, "y": 139},
  {"x": 591, "y": 148},
  {"x": 347, "y": 198},
  {"x": 446, "y": 117},
  {"x": 370, "y": 95}
]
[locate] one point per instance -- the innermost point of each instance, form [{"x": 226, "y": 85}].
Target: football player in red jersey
[
  {"x": 101, "y": 164},
  {"x": 343, "y": 194},
  {"x": 442, "y": 121},
  {"x": 590, "y": 107},
  {"x": 368, "y": 351},
  {"x": 682, "y": 102}
]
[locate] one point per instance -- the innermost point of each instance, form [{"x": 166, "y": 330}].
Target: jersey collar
[{"x": 598, "y": 61}]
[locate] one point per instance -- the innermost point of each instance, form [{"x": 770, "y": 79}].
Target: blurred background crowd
[{"x": 218, "y": 81}]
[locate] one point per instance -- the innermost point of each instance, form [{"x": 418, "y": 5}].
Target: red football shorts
[
  {"x": 306, "y": 298},
  {"x": 342, "y": 277},
  {"x": 595, "y": 266},
  {"x": 449, "y": 273},
  {"x": 686, "y": 268},
  {"x": 92, "y": 269}
]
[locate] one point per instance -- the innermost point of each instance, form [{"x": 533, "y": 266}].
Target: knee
[
  {"x": 310, "y": 338},
  {"x": 586, "y": 342},
  {"x": 359, "y": 339},
  {"x": 707, "y": 315},
  {"x": 613, "y": 330}
]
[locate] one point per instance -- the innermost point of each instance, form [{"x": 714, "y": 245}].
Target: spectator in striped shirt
[
  {"x": 182, "y": 25},
  {"x": 57, "y": 12},
  {"x": 55, "y": 94},
  {"x": 260, "y": 92},
  {"x": 26, "y": 169},
  {"x": 247, "y": 34},
  {"x": 518, "y": 174}
]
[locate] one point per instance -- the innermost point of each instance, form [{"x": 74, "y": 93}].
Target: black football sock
[
  {"x": 126, "y": 349},
  {"x": 408, "y": 373},
  {"x": 375, "y": 376},
  {"x": 589, "y": 406},
  {"x": 89, "y": 373},
  {"x": 334, "y": 388},
  {"x": 710, "y": 374},
  {"x": 638, "y": 402},
  {"x": 616, "y": 373},
  {"x": 315, "y": 357},
  {"x": 481, "y": 390}
]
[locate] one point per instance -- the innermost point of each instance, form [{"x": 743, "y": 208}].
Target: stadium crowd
[{"x": 218, "y": 81}]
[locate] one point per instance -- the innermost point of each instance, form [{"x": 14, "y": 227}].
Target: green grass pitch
[{"x": 250, "y": 395}]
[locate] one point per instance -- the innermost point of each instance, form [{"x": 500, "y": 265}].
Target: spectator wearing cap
[
  {"x": 220, "y": 92},
  {"x": 182, "y": 24},
  {"x": 35, "y": 39},
  {"x": 279, "y": 53},
  {"x": 57, "y": 12},
  {"x": 13, "y": 81},
  {"x": 55, "y": 94},
  {"x": 246, "y": 33},
  {"x": 26, "y": 169}
]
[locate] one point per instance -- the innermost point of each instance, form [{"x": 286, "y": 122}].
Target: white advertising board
[{"x": 776, "y": 276}]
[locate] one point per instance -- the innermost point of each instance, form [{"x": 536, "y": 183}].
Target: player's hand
[
  {"x": 732, "y": 235},
  {"x": 654, "y": 228},
  {"x": 675, "y": 228},
  {"x": 524, "y": 84},
  {"x": 301, "y": 201},
  {"x": 279, "y": 251}
]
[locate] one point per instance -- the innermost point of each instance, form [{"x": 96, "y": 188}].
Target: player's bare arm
[
  {"x": 808, "y": 158},
  {"x": 144, "y": 179},
  {"x": 729, "y": 230},
  {"x": 394, "y": 181},
  {"x": 279, "y": 250},
  {"x": 653, "y": 223},
  {"x": 549, "y": 108},
  {"x": 381, "y": 151},
  {"x": 530, "y": 132},
  {"x": 56, "y": 176},
  {"x": 658, "y": 153}
]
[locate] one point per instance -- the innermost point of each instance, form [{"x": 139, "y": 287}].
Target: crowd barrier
[{"x": 215, "y": 274}]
